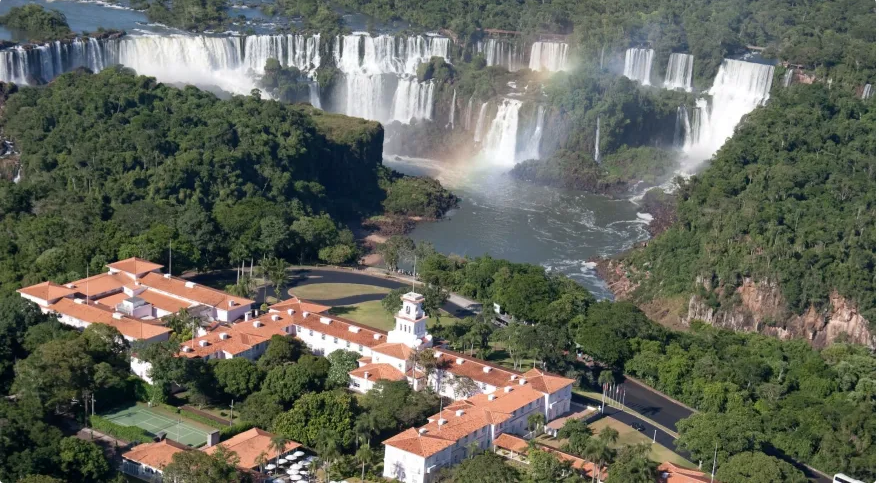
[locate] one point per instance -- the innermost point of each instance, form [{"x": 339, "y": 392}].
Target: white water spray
[
  {"x": 639, "y": 62},
  {"x": 548, "y": 56},
  {"x": 679, "y": 73}
]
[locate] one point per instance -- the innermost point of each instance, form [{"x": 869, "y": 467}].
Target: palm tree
[
  {"x": 278, "y": 445},
  {"x": 327, "y": 446},
  {"x": 592, "y": 452},
  {"x": 412, "y": 360},
  {"x": 364, "y": 455},
  {"x": 366, "y": 426},
  {"x": 535, "y": 421},
  {"x": 275, "y": 270},
  {"x": 608, "y": 435},
  {"x": 261, "y": 461}
]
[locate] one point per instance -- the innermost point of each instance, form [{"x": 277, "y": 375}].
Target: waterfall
[
  {"x": 499, "y": 145},
  {"x": 452, "y": 113},
  {"x": 532, "y": 146},
  {"x": 597, "y": 155},
  {"x": 867, "y": 92},
  {"x": 480, "y": 123},
  {"x": 191, "y": 59},
  {"x": 505, "y": 54},
  {"x": 386, "y": 72},
  {"x": 679, "y": 73},
  {"x": 412, "y": 99},
  {"x": 548, "y": 56},
  {"x": 314, "y": 94},
  {"x": 683, "y": 132},
  {"x": 638, "y": 65},
  {"x": 468, "y": 114},
  {"x": 738, "y": 89},
  {"x": 17, "y": 178},
  {"x": 369, "y": 84},
  {"x": 788, "y": 77}
]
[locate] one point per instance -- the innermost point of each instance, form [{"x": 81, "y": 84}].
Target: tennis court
[{"x": 154, "y": 422}]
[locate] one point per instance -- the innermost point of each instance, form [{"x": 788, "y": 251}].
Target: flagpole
[{"x": 713, "y": 463}]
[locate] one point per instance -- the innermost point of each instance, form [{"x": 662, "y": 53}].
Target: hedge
[
  {"x": 133, "y": 434},
  {"x": 229, "y": 431}
]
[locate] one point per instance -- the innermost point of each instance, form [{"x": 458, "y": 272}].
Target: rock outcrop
[{"x": 757, "y": 306}]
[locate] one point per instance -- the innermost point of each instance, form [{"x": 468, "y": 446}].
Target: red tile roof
[
  {"x": 465, "y": 417},
  {"x": 198, "y": 293},
  {"x": 474, "y": 368},
  {"x": 155, "y": 455},
  {"x": 46, "y": 291},
  {"x": 96, "y": 314},
  {"x": 250, "y": 444},
  {"x": 134, "y": 265},
  {"x": 164, "y": 302},
  {"x": 378, "y": 372},
  {"x": 671, "y": 473},
  {"x": 396, "y": 350}
]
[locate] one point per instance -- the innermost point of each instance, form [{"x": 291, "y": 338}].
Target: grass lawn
[
  {"x": 628, "y": 435},
  {"x": 372, "y": 314},
  {"x": 332, "y": 291}
]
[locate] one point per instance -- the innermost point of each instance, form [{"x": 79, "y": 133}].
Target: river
[{"x": 506, "y": 218}]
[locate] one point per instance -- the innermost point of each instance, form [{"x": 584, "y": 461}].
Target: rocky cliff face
[
  {"x": 758, "y": 306},
  {"x": 762, "y": 309}
]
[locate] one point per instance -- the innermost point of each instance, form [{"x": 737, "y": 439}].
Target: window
[
  {"x": 310, "y": 332},
  {"x": 347, "y": 343},
  {"x": 335, "y": 340},
  {"x": 361, "y": 348},
  {"x": 323, "y": 337},
  {"x": 298, "y": 329}
]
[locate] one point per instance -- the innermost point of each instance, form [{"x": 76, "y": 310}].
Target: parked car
[{"x": 638, "y": 426}]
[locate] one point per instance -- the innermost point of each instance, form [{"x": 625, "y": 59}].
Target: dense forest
[
  {"x": 789, "y": 198},
  {"x": 116, "y": 165},
  {"x": 36, "y": 24}
]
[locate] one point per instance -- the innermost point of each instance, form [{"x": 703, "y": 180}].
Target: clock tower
[{"x": 411, "y": 322}]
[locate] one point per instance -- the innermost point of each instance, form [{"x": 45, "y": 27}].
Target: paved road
[{"x": 655, "y": 406}]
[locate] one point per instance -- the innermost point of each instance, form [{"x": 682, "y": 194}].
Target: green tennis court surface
[{"x": 154, "y": 423}]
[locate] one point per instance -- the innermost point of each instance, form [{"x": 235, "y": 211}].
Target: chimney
[
  {"x": 203, "y": 343},
  {"x": 522, "y": 382},
  {"x": 276, "y": 317},
  {"x": 167, "y": 275},
  {"x": 79, "y": 301},
  {"x": 376, "y": 336},
  {"x": 325, "y": 320},
  {"x": 459, "y": 360},
  {"x": 492, "y": 397},
  {"x": 231, "y": 303},
  {"x": 486, "y": 369},
  {"x": 508, "y": 388},
  {"x": 513, "y": 377},
  {"x": 190, "y": 284},
  {"x": 247, "y": 316},
  {"x": 186, "y": 348},
  {"x": 459, "y": 413},
  {"x": 117, "y": 315},
  {"x": 366, "y": 375},
  {"x": 441, "y": 422},
  {"x": 290, "y": 311},
  {"x": 422, "y": 430},
  {"x": 305, "y": 314},
  {"x": 257, "y": 324},
  {"x": 224, "y": 335},
  {"x": 353, "y": 328}
]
